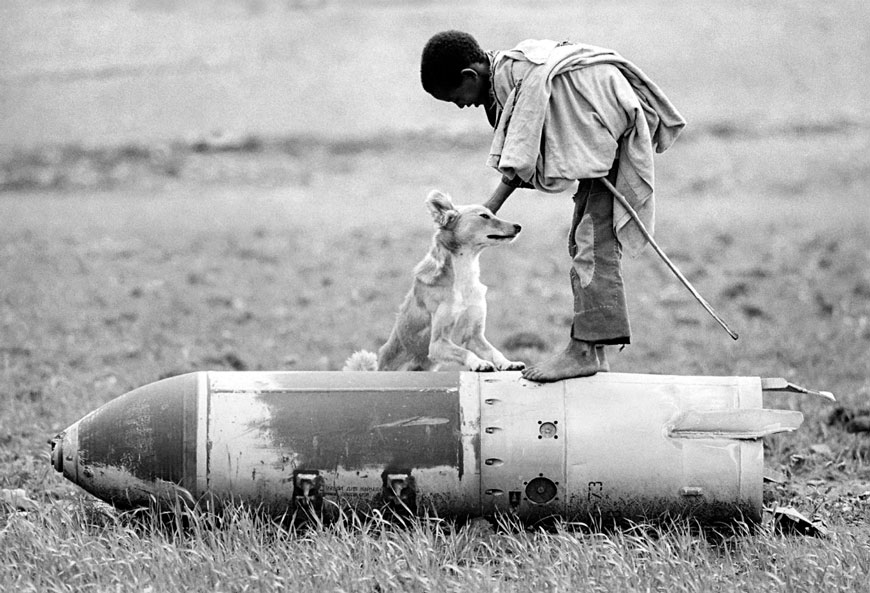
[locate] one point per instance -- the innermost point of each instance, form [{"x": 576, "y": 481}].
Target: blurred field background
[{"x": 231, "y": 184}]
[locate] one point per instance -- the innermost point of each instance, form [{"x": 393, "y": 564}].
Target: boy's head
[{"x": 454, "y": 68}]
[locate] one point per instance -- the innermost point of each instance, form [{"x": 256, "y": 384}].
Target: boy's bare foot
[{"x": 578, "y": 359}]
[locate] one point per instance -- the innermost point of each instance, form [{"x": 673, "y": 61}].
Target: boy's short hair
[{"x": 445, "y": 55}]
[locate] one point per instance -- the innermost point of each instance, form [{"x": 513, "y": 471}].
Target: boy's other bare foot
[{"x": 578, "y": 359}]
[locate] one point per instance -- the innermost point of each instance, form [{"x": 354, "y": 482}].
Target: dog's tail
[{"x": 361, "y": 360}]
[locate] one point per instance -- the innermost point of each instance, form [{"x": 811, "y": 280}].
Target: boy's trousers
[{"x": 600, "y": 312}]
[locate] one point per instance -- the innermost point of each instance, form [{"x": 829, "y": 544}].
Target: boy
[{"x": 565, "y": 113}]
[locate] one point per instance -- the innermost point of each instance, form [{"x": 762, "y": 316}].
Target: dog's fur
[{"x": 443, "y": 317}]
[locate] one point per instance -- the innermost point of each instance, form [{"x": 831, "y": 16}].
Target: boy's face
[{"x": 472, "y": 91}]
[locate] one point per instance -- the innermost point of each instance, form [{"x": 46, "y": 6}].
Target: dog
[{"x": 443, "y": 317}]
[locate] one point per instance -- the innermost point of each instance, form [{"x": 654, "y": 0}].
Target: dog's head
[{"x": 472, "y": 226}]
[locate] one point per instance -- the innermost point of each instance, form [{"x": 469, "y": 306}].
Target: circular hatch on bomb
[{"x": 541, "y": 490}]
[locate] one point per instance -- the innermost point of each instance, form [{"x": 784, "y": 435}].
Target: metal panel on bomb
[
  {"x": 613, "y": 447},
  {"x": 363, "y": 439},
  {"x": 643, "y": 468}
]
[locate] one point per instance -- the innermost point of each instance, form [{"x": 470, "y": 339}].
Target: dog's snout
[{"x": 517, "y": 228}]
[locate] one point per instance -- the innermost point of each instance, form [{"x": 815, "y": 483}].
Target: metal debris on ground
[{"x": 789, "y": 521}]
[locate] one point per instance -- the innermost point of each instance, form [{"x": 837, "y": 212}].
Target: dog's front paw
[
  {"x": 482, "y": 366},
  {"x": 512, "y": 365}
]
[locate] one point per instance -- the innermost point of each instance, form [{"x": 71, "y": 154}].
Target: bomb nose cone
[{"x": 127, "y": 450}]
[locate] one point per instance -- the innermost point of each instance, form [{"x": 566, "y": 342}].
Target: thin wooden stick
[{"x": 665, "y": 258}]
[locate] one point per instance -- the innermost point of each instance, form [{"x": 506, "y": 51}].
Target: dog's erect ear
[{"x": 441, "y": 207}]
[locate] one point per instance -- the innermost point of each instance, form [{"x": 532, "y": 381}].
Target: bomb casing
[{"x": 614, "y": 445}]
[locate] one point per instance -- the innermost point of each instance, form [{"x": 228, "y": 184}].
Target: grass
[
  {"x": 135, "y": 246},
  {"x": 81, "y": 548}
]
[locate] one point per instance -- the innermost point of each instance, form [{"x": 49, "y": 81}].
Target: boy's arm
[{"x": 503, "y": 191}]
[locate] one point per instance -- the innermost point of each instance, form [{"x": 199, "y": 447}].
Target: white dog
[{"x": 443, "y": 317}]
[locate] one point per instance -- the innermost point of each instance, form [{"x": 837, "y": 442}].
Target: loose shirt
[{"x": 563, "y": 110}]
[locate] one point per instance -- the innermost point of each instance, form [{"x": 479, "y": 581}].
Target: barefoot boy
[{"x": 566, "y": 113}]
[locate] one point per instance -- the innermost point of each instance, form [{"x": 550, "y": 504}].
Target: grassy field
[{"x": 136, "y": 245}]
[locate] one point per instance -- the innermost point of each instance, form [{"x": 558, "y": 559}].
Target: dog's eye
[{"x": 486, "y": 216}]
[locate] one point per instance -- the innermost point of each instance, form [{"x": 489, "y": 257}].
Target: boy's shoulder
[{"x": 536, "y": 51}]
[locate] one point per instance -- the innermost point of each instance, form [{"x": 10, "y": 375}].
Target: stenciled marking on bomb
[{"x": 457, "y": 444}]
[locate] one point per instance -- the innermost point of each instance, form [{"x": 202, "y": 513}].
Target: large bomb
[{"x": 611, "y": 446}]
